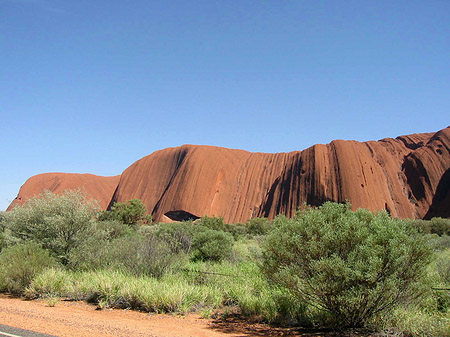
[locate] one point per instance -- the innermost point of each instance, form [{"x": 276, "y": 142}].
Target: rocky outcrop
[
  {"x": 199, "y": 180},
  {"x": 408, "y": 176},
  {"x": 95, "y": 187}
]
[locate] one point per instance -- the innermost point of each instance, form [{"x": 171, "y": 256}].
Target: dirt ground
[{"x": 81, "y": 319}]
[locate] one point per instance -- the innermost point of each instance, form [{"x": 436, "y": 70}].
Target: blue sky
[{"x": 92, "y": 86}]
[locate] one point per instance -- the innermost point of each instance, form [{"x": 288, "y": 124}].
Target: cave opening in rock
[{"x": 181, "y": 215}]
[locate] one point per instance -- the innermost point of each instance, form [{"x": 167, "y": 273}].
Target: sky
[{"x": 91, "y": 86}]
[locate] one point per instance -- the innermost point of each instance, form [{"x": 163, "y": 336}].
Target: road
[{"x": 8, "y": 331}]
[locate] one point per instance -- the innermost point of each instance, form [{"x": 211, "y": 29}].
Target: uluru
[{"x": 408, "y": 176}]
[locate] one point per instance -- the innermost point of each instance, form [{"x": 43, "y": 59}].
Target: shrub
[
  {"x": 154, "y": 257},
  {"x": 2, "y": 241},
  {"x": 19, "y": 264},
  {"x": 54, "y": 221},
  {"x": 215, "y": 223},
  {"x": 439, "y": 243},
  {"x": 2, "y": 221},
  {"x": 209, "y": 244},
  {"x": 131, "y": 213},
  {"x": 352, "y": 265},
  {"x": 96, "y": 245},
  {"x": 132, "y": 253},
  {"x": 440, "y": 226},
  {"x": 238, "y": 230},
  {"x": 258, "y": 226},
  {"x": 178, "y": 236}
]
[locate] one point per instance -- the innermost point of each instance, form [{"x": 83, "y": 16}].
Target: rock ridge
[{"x": 408, "y": 176}]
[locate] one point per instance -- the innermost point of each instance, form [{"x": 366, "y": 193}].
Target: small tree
[
  {"x": 53, "y": 221},
  {"x": 353, "y": 265}
]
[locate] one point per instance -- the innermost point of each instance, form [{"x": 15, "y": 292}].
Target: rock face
[
  {"x": 96, "y": 187},
  {"x": 408, "y": 176}
]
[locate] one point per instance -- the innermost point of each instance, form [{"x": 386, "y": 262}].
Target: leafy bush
[
  {"x": 54, "y": 221},
  {"x": 201, "y": 242},
  {"x": 2, "y": 241},
  {"x": 215, "y": 223},
  {"x": 154, "y": 257},
  {"x": 96, "y": 245},
  {"x": 439, "y": 243},
  {"x": 238, "y": 230},
  {"x": 258, "y": 226},
  {"x": 209, "y": 244},
  {"x": 19, "y": 264},
  {"x": 132, "y": 253},
  {"x": 2, "y": 221},
  {"x": 178, "y": 236},
  {"x": 440, "y": 226},
  {"x": 131, "y": 213},
  {"x": 352, "y": 265}
]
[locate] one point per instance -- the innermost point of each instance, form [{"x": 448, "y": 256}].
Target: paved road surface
[{"x": 8, "y": 331}]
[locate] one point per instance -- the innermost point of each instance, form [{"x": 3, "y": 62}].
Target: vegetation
[
  {"x": 352, "y": 265},
  {"x": 20, "y": 264},
  {"x": 210, "y": 244},
  {"x": 328, "y": 266},
  {"x": 131, "y": 213},
  {"x": 56, "y": 222}
]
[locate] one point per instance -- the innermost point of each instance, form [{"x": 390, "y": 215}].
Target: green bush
[
  {"x": 215, "y": 223},
  {"x": 19, "y": 264},
  {"x": 56, "y": 222},
  {"x": 201, "y": 242},
  {"x": 96, "y": 245},
  {"x": 351, "y": 265},
  {"x": 131, "y": 253},
  {"x": 209, "y": 244},
  {"x": 258, "y": 226},
  {"x": 154, "y": 258},
  {"x": 238, "y": 230},
  {"x": 178, "y": 236},
  {"x": 440, "y": 226},
  {"x": 439, "y": 243},
  {"x": 131, "y": 213},
  {"x": 2, "y": 241},
  {"x": 2, "y": 221}
]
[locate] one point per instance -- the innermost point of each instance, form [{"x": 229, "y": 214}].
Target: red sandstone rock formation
[
  {"x": 408, "y": 176},
  {"x": 96, "y": 187}
]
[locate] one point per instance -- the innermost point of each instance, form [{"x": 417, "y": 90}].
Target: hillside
[{"x": 409, "y": 176}]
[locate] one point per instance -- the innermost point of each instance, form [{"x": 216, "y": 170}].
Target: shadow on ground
[{"x": 242, "y": 328}]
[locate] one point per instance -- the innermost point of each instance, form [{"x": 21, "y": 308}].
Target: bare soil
[{"x": 75, "y": 319}]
